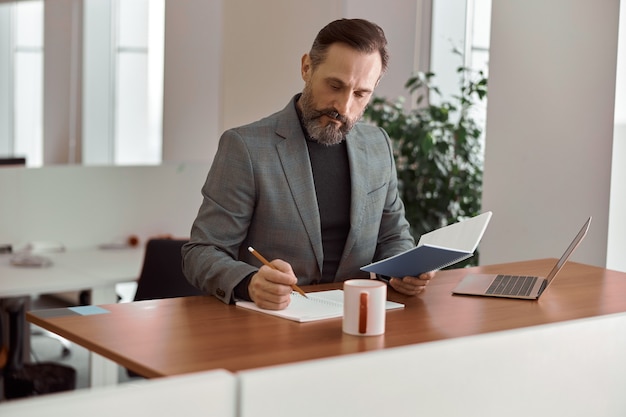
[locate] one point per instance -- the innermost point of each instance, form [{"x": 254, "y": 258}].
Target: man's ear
[{"x": 306, "y": 67}]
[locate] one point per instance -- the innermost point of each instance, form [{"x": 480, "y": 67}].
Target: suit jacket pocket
[{"x": 381, "y": 190}]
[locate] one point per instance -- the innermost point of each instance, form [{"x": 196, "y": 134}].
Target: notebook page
[
  {"x": 319, "y": 306},
  {"x": 464, "y": 235}
]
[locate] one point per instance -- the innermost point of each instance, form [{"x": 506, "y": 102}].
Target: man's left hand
[{"x": 412, "y": 285}]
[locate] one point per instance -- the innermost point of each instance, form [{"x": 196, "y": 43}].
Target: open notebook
[
  {"x": 435, "y": 250},
  {"x": 319, "y": 306}
]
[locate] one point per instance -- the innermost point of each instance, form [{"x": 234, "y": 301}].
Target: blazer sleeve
[{"x": 210, "y": 258}]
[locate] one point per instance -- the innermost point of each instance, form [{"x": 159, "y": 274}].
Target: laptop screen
[{"x": 570, "y": 249}]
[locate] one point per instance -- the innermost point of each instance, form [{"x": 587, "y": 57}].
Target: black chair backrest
[
  {"x": 162, "y": 275},
  {"x": 12, "y": 161}
]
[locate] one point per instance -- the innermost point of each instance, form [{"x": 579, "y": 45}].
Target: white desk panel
[
  {"x": 204, "y": 394},
  {"x": 82, "y": 206},
  {"x": 576, "y": 368}
]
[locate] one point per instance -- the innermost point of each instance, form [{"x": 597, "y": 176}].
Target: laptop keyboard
[{"x": 511, "y": 285}]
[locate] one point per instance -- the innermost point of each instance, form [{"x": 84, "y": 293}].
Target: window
[
  {"x": 123, "y": 81},
  {"x": 21, "y": 80},
  {"x": 465, "y": 26},
  {"x": 479, "y": 25},
  {"x": 477, "y": 53}
]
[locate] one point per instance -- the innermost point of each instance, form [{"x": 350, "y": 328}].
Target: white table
[
  {"x": 98, "y": 270},
  {"x": 94, "y": 269}
]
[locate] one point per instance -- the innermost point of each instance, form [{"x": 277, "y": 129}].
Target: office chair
[
  {"x": 27, "y": 379},
  {"x": 161, "y": 274}
]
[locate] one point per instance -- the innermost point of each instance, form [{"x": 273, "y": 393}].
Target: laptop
[{"x": 516, "y": 286}]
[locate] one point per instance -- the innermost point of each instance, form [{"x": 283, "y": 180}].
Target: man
[{"x": 308, "y": 187}]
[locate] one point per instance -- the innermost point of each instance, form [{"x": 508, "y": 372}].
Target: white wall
[
  {"x": 192, "y": 79},
  {"x": 264, "y": 41},
  {"x": 232, "y": 62},
  {"x": 399, "y": 19},
  {"x": 62, "y": 89},
  {"x": 549, "y": 128},
  {"x": 263, "y": 44}
]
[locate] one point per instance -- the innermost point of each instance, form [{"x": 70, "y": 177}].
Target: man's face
[{"x": 336, "y": 93}]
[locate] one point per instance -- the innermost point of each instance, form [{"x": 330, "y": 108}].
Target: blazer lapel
[
  {"x": 294, "y": 157},
  {"x": 357, "y": 154}
]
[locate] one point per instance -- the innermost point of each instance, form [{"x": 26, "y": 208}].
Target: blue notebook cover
[
  {"x": 420, "y": 259},
  {"x": 435, "y": 250}
]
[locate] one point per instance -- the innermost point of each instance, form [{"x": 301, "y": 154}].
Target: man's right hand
[{"x": 271, "y": 288}]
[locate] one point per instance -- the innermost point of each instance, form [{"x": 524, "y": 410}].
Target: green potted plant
[{"x": 437, "y": 149}]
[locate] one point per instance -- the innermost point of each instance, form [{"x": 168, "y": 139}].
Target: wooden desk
[{"x": 177, "y": 336}]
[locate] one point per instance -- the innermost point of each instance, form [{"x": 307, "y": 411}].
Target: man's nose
[{"x": 342, "y": 104}]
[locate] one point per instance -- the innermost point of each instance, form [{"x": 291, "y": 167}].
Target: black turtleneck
[{"x": 331, "y": 174}]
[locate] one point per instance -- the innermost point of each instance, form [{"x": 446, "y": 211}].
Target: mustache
[{"x": 332, "y": 113}]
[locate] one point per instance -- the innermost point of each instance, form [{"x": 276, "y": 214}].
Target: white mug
[{"x": 364, "y": 307}]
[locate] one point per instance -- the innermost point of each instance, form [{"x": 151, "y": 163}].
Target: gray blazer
[{"x": 259, "y": 192}]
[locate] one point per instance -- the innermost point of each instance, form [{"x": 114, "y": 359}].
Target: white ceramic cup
[{"x": 364, "y": 307}]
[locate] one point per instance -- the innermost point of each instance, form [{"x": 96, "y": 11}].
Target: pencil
[{"x": 266, "y": 262}]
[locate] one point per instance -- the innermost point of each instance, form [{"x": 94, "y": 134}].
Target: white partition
[
  {"x": 86, "y": 206},
  {"x": 570, "y": 369},
  {"x": 203, "y": 394}
]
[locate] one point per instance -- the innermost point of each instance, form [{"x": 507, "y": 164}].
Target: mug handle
[{"x": 363, "y": 302}]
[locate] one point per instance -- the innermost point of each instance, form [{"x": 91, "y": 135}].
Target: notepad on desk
[
  {"x": 435, "y": 250},
  {"x": 319, "y": 306}
]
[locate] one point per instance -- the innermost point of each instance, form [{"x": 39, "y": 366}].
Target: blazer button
[{"x": 220, "y": 292}]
